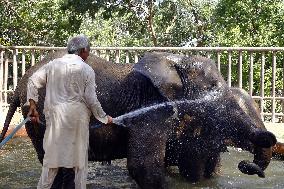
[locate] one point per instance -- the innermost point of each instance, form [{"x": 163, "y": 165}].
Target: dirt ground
[{"x": 17, "y": 118}]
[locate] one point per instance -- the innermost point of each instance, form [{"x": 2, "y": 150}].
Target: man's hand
[
  {"x": 109, "y": 119},
  {"x": 33, "y": 113}
]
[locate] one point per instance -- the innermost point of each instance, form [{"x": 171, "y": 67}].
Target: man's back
[{"x": 66, "y": 80}]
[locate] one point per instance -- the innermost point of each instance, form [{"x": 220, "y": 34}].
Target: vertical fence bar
[
  {"x": 135, "y": 57},
  {"x": 251, "y": 73},
  {"x": 273, "y": 85},
  {"x": 229, "y": 79},
  {"x": 218, "y": 60},
  {"x": 1, "y": 77},
  {"x": 262, "y": 85},
  {"x": 117, "y": 56},
  {"x": 107, "y": 55},
  {"x": 186, "y": 53},
  {"x": 15, "y": 69},
  {"x": 208, "y": 55},
  {"x": 23, "y": 62},
  {"x": 33, "y": 57},
  {"x": 282, "y": 102},
  {"x": 98, "y": 53},
  {"x": 240, "y": 70},
  {"x": 127, "y": 57},
  {"x": 41, "y": 55},
  {"x": 6, "y": 73}
]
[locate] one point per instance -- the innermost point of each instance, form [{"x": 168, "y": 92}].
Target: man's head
[{"x": 79, "y": 45}]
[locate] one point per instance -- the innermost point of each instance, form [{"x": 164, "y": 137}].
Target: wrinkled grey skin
[
  {"x": 227, "y": 117},
  {"x": 123, "y": 88}
]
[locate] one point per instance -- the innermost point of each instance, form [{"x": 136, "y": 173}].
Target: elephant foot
[
  {"x": 146, "y": 178},
  {"x": 191, "y": 173},
  {"x": 212, "y": 166}
]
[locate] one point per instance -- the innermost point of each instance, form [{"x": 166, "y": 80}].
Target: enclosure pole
[
  {"x": 262, "y": 86},
  {"x": 1, "y": 76},
  {"x": 229, "y": 79},
  {"x": 33, "y": 57},
  {"x": 273, "y": 86},
  {"x": 15, "y": 69},
  {"x": 135, "y": 57},
  {"x": 6, "y": 73},
  {"x": 23, "y": 62},
  {"x": 251, "y": 74},
  {"x": 282, "y": 120},
  {"x": 240, "y": 69},
  {"x": 117, "y": 56},
  {"x": 219, "y": 61}
]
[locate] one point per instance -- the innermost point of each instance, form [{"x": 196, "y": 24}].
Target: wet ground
[{"x": 19, "y": 169}]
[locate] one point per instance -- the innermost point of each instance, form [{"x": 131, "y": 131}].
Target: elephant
[
  {"x": 204, "y": 127},
  {"x": 158, "y": 77},
  {"x": 234, "y": 120}
]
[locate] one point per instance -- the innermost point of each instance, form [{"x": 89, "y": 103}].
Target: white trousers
[{"x": 48, "y": 175}]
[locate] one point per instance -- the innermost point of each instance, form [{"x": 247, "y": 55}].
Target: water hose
[{"x": 14, "y": 131}]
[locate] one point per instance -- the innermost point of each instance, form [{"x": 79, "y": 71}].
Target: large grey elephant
[
  {"x": 156, "y": 78},
  {"x": 205, "y": 125},
  {"x": 224, "y": 117}
]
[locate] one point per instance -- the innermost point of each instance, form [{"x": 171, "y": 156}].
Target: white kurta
[{"x": 70, "y": 100}]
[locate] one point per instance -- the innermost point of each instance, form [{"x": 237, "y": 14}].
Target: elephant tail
[{"x": 12, "y": 109}]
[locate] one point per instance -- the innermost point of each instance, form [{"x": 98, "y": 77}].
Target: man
[{"x": 70, "y": 100}]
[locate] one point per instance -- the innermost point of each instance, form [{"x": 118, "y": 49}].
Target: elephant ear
[{"x": 160, "y": 68}]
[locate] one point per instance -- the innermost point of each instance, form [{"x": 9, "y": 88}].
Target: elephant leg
[
  {"x": 37, "y": 140},
  {"x": 145, "y": 160},
  {"x": 192, "y": 159},
  {"x": 191, "y": 169},
  {"x": 172, "y": 152},
  {"x": 212, "y": 165}
]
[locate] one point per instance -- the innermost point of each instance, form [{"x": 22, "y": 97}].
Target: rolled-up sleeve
[
  {"x": 36, "y": 81},
  {"x": 91, "y": 99}
]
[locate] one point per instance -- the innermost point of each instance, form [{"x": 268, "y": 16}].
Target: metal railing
[{"x": 258, "y": 70}]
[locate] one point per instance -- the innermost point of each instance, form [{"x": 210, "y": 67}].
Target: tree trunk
[{"x": 150, "y": 23}]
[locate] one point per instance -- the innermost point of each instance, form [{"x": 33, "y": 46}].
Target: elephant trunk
[
  {"x": 262, "y": 157},
  {"x": 263, "y": 142},
  {"x": 12, "y": 109}
]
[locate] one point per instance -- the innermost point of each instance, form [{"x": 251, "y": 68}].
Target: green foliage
[
  {"x": 175, "y": 23},
  {"x": 27, "y": 22},
  {"x": 248, "y": 23}
]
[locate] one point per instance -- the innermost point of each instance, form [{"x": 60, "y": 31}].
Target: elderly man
[{"x": 70, "y": 100}]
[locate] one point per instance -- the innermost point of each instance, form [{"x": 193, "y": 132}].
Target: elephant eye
[
  {"x": 193, "y": 73},
  {"x": 214, "y": 85}
]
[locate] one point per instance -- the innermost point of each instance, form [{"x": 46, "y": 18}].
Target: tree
[
  {"x": 27, "y": 22},
  {"x": 248, "y": 23},
  {"x": 148, "y": 23}
]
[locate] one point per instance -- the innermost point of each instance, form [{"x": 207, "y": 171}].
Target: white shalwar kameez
[{"x": 70, "y": 100}]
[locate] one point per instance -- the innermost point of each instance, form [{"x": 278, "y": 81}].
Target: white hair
[{"x": 77, "y": 43}]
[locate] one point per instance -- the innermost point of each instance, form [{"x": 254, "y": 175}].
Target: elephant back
[
  {"x": 159, "y": 67},
  {"x": 178, "y": 76}
]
